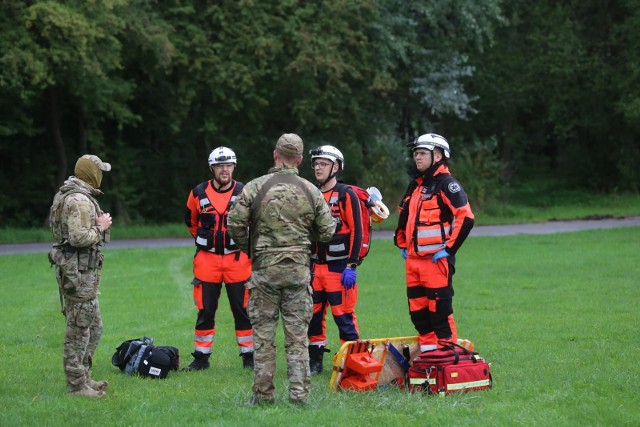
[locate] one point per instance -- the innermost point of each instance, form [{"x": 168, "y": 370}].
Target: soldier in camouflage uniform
[
  {"x": 79, "y": 228},
  {"x": 274, "y": 219}
]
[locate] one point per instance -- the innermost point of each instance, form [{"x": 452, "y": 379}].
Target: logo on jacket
[
  {"x": 454, "y": 187},
  {"x": 426, "y": 193}
]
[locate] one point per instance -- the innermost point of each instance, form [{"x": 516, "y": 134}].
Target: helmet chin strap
[
  {"x": 331, "y": 176},
  {"x": 431, "y": 169}
]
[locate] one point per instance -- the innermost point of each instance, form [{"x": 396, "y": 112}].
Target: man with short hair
[
  {"x": 333, "y": 264},
  {"x": 80, "y": 228},
  {"x": 217, "y": 259},
  {"x": 435, "y": 219},
  {"x": 275, "y": 219}
]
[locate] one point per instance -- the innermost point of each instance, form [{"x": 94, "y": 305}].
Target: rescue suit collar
[
  {"x": 329, "y": 183},
  {"x": 431, "y": 170},
  {"x": 426, "y": 180},
  {"x": 222, "y": 189}
]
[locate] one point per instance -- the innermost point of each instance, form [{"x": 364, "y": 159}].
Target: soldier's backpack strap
[{"x": 277, "y": 178}]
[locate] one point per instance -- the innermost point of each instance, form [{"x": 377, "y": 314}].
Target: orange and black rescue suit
[
  {"x": 329, "y": 260},
  {"x": 217, "y": 260},
  {"x": 434, "y": 215}
]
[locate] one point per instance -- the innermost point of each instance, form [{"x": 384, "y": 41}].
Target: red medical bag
[{"x": 448, "y": 370}]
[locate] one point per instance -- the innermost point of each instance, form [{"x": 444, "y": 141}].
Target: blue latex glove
[
  {"x": 403, "y": 253},
  {"x": 348, "y": 278},
  {"x": 442, "y": 253}
]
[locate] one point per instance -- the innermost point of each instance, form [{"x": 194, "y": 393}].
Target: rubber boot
[
  {"x": 247, "y": 360},
  {"x": 315, "y": 358},
  {"x": 200, "y": 362}
]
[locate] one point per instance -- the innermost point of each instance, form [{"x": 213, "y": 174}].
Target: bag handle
[
  {"x": 457, "y": 350},
  {"x": 455, "y": 346}
]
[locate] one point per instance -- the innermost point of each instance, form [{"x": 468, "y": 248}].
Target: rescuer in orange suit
[
  {"x": 334, "y": 263},
  {"x": 435, "y": 219},
  {"x": 217, "y": 260}
]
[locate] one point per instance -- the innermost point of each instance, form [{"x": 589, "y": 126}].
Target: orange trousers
[
  {"x": 211, "y": 271},
  {"x": 328, "y": 290},
  {"x": 430, "y": 295}
]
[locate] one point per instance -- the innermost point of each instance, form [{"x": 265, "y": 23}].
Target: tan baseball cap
[
  {"x": 290, "y": 144},
  {"x": 104, "y": 166}
]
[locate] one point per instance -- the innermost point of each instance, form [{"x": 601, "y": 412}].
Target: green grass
[
  {"x": 43, "y": 234},
  {"x": 537, "y": 204},
  {"x": 556, "y": 315},
  {"x": 535, "y": 201}
]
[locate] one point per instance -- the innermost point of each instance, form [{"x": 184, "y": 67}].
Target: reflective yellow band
[
  {"x": 470, "y": 384},
  {"x": 420, "y": 381}
]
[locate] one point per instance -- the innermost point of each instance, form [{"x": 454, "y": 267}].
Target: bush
[{"x": 479, "y": 170}]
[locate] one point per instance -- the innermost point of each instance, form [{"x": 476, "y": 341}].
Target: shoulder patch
[{"x": 454, "y": 187}]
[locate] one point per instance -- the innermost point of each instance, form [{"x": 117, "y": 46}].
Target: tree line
[{"x": 518, "y": 88}]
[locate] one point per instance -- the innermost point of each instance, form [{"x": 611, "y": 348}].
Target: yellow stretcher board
[{"x": 378, "y": 349}]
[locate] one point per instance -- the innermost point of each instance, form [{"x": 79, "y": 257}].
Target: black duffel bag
[{"x": 141, "y": 357}]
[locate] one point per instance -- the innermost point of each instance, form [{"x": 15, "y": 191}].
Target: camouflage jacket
[
  {"x": 72, "y": 217},
  {"x": 286, "y": 221}
]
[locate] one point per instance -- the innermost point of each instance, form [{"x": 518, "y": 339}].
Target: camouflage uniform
[
  {"x": 286, "y": 221},
  {"x": 78, "y": 261}
]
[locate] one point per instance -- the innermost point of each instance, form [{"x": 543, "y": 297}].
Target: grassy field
[
  {"x": 556, "y": 316},
  {"x": 537, "y": 201}
]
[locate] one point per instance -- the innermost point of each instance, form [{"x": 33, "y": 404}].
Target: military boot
[
  {"x": 247, "y": 360},
  {"x": 200, "y": 362},
  {"x": 88, "y": 392},
  {"x": 315, "y": 358},
  {"x": 98, "y": 385}
]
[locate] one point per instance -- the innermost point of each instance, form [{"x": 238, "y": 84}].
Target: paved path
[{"x": 481, "y": 230}]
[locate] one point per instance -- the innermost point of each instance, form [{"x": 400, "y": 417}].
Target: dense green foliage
[
  {"x": 153, "y": 86},
  {"x": 561, "y": 355}
]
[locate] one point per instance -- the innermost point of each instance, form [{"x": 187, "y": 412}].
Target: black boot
[
  {"x": 200, "y": 362},
  {"x": 247, "y": 360},
  {"x": 315, "y": 358}
]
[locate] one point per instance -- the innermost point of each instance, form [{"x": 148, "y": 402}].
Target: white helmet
[
  {"x": 222, "y": 155},
  {"x": 328, "y": 152},
  {"x": 430, "y": 141}
]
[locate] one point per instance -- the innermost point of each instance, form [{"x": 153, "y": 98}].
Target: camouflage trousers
[
  {"x": 280, "y": 290},
  {"x": 84, "y": 329}
]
